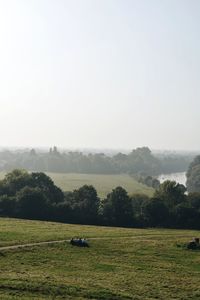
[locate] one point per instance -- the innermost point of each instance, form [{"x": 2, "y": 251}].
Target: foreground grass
[
  {"x": 15, "y": 231},
  {"x": 132, "y": 264}
]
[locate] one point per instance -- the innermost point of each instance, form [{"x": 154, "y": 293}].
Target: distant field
[
  {"x": 103, "y": 183},
  {"x": 133, "y": 264}
]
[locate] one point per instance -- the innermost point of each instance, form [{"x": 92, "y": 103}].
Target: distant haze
[{"x": 100, "y": 73}]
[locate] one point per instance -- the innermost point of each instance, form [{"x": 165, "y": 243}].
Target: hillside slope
[
  {"x": 122, "y": 264},
  {"x": 103, "y": 183}
]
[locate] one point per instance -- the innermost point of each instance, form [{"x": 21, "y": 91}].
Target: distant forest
[{"x": 140, "y": 161}]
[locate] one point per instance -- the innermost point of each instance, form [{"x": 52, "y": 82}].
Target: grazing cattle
[{"x": 79, "y": 242}]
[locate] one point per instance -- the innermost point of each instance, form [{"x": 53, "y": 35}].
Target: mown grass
[
  {"x": 131, "y": 264},
  {"x": 17, "y": 231},
  {"x": 103, "y": 183}
]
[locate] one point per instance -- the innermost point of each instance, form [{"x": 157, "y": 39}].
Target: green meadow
[
  {"x": 120, "y": 263},
  {"x": 103, "y": 183}
]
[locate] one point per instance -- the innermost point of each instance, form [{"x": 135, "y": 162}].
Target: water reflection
[{"x": 178, "y": 177}]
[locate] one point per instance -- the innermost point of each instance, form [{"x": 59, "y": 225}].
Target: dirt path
[
  {"x": 146, "y": 238},
  {"x": 52, "y": 242},
  {"x": 31, "y": 245},
  {"x": 59, "y": 241}
]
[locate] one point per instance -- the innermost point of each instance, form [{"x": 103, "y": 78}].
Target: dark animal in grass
[
  {"x": 194, "y": 244},
  {"x": 79, "y": 242}
]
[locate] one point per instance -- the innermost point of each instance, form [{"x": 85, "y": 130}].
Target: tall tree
[
  {"x": 31, "y": 203},
  {"x": 155, "y": 212},
  {"x": 15, "y": 180},
  {"x": 86, "y": 204},
  {"x": 53, "y": 193},
  {"x": 117, "y": 208},
  {"x": 171, "y": 193}
]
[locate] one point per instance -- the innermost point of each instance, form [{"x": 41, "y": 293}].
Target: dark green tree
[
  {"x": 186, "y": 216},
  {"x": 194, "y": 200},
  {"x": 155, "y": 212},
  {"x": 15, "y": 180},
  {"x": 31, "y": 203},
  {"x": 85, "y": 205},
  {"x": 7, "y": 206},
  {"x": 137, "y": 201},
  {"x": 53, "y": 193},
  {"x": 171, "y": 193},
  {"x": 117, "y": 208}
]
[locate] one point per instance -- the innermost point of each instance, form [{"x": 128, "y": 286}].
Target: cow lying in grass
[
  {"x": 194, "y": 244},
  {"x": 79, "y": 242}
]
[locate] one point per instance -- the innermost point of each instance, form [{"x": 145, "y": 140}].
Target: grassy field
[
  {"x": 122, "y": 264},
  {"x": 103, "y": 183}
]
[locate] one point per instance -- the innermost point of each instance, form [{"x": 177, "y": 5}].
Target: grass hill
[
  {"x": 103, "y": 183},
  {"x": 120, "y": 264}
]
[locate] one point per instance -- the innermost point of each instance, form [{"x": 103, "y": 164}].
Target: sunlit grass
[
  {"x": 131, "y": 264},
  {"x": 103, "y": 183}
]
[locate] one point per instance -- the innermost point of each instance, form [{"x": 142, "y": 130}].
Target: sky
[{"x": 100, "y": 73}]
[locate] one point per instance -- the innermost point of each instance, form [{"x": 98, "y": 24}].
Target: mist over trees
[
  {"x": 35, "y": 196},
  {"x": 193, "y": 175},
  {"x": 140, "y": 161}
]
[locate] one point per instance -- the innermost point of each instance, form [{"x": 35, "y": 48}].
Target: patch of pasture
[
  {"x": 127, "y": 264},
  {"x": 104, "y": 184}
]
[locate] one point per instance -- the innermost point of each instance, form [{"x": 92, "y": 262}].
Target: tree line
[
  {"x": 140, "y": 161},
  {"x": 193, "y": 175},
  {"x": 35, "y": 196}
]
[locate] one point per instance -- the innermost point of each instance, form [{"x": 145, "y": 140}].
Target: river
[{"x": 178, "y": 177}]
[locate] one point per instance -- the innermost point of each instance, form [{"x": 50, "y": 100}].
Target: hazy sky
[{"x": 100, "y": 73}]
